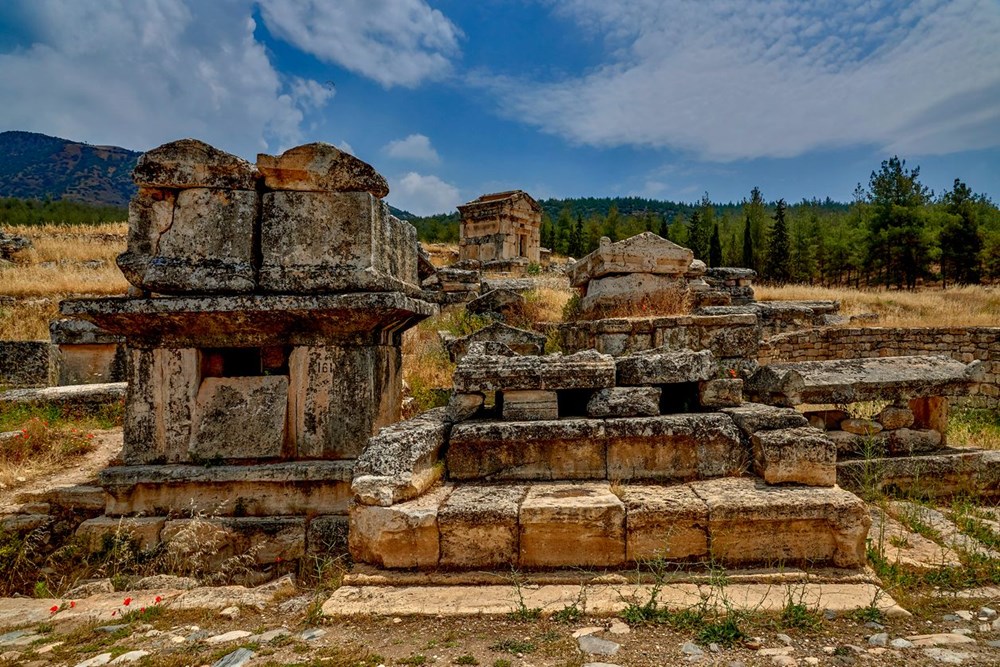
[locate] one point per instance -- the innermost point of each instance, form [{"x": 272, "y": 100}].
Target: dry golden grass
[
  {"x": 958, "y": 306},
  {"x": 66, "y": 261}
]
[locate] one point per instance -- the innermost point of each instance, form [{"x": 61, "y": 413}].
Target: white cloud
[
  {"x": 394, "y": 42},
  {"x": 777, "y": 78},
  {"x": 346, "y": 147},
  {"x": 423, "y": 195},
  {"x": 142, "y": 73},
  {"x": 414, "y": 147}
]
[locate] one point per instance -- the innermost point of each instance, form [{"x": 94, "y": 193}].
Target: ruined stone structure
[
  {"x": 501, "y": 230},
  {"x": 264, "y": 332},
  {"x": 590, "y": 461}
]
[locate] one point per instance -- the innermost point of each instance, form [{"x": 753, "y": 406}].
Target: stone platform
[{"x": 540, "y": 525}]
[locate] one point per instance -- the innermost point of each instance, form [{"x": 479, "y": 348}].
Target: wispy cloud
[
  {"x": 139, "y": 74},
  {"x": 423, "y": 195},
  {"x": 752, "y": 78},
  {"x": 415, "y": 147},
  {"x": 393, "y": 42}
]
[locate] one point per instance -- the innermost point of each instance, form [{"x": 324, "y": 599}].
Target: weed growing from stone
[{"x": 521, "y": 611}]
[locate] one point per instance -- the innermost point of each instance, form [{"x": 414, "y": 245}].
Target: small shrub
[
  {"x": 799, "y": 616},
  {"x": 513, "y": 646},
  {"x": 413, "y": 660},
  {"x": 466, "y": 660},
  {"x": 725, "y": 631}
]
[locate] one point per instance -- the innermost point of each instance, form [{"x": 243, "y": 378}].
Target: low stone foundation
[{"x": 965, "y": 344}]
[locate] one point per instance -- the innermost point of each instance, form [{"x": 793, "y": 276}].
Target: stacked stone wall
[{"x": 965, "y": 344}]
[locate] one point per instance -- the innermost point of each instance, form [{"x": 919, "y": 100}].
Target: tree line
[
  {"x": 14, "y": 211},
  {"x": 895, "y": 232}
]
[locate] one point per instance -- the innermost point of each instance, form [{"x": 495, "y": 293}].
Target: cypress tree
[
  {"x": 779, "y": 255},
  {"x": 715, "y": 248},
  {"x": 748, "y": 245}
]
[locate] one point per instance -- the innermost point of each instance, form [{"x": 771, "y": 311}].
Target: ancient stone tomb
[
  {"x": 502, "y": 228},
  {"x": 264, "y": 330},
  {"x": 590, "y": 461}
]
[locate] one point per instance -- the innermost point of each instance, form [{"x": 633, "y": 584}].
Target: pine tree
[
  {"x": 960, "y": 241},
  {"x": 896, "y": 243},
  {"x": 664, "y": 227},
  {"x": 715, "y": 248},
  {"x": 699, "y": 237},
  {"x": 779, "y": 252},
  {"x": 748, "y": 244}
]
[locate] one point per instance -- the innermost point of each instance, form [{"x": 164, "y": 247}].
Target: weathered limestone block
[
  {"x": 401, "y": 536},
  {"x": 479, "y": 526},
  {"x": 797, "y": 455},
  {"x": 189, "y": 163},
  {"x": 500, "y": 301},
  {"x": 893, "y": 417},
  {"x": 668, "y": 522},
  {"x": 753, "y": 417},
  {"x": 464, "y": 406},
  {"x": 320, "y": 167},
  {"x": 721, "y": 393},
  {"x": 846, "y": 443},
  {"x": 946, "y": 474},
  {"x": 240, "y": 418},
  {"x": 583, "y": 370},
  {"x": 642, "y": 253},
  {"x": 665, "y": 366},
  {"x": 860, "y": 426},
  {"x": 750, "y": 522},
  {"x": 160, "y": 405},
  {"x": 92, "y": 396},
  {"x": 334, "y": 242},
  {"x": 826, "y": 420},
  {"x": 854, "y": 380},
  {"x": 144, "y": 531},
  {"x": 677, "y": 447},
  {"x": 521, "y": 341},
  {"x": 25, "y": 363},
  {"x": 665, "y": 294},
  {"x": 625, "y": 402},
  {"x": 401, "y": 461},
  {"x": 268, "y": 539},
  {"x": 150, "y": 214},
  {"x": 543, "y": 450},
  {"x": 268, "y": 489},
  {"x": 572, "y": 524},
  {"x": 530, "y": 405},
  {"x": 340, "y": 396},
  {"x": 208, "y": 247}
]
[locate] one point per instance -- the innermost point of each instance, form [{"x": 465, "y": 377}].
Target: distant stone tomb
[{"x": 501, "y": 230}]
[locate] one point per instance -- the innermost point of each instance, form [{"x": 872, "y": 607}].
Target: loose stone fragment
[
  {"x": 625, "y": 402},
  {"x": 464, "y": 406},
  {"x": 753, "y": 417},
  {"x": 720, "y": 393},
  {"x": 892, "y": 417},
  {"x": 521, "y": 341},
  {"x": 860, "y": 426},
  {"x": 320, "y": 167},
  {"x": 597, "y": 646},
  {"x": 496, "y": 301},
  {"x": 799, "y": 455},
  {"x": 530, "y": 405}
]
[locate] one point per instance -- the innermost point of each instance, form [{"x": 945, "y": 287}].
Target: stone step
[
  {"x": 588, "y": 524},
  {"x": 601, "y": 599},
  {"x": 679, "y": 447},
  {"x": 945, "y": 473}
]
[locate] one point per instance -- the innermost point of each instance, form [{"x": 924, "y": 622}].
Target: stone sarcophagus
[{"x": 264, "y": 327}]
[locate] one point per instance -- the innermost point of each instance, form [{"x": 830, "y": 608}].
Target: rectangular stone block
[
  {"x": 334, "y": 241},
  {"x": 721, "y": 393},
  {"x": 664, "y": 366},
  {"x": 479, "y": 526},
  {"x": 668, "y": 522},
  {"x": 326, "y": 536},
  {"x": 208, "y": 248},
  {"x": 240, "y": 418},
  {"x": 530, "y": 405},
  {"x": 542, "y": 450},
  {"x": 752, "y": 523},
  {"x": 678, "y": 447},
  {"x": 796, "y": 455},
  {"x": 753, "y": 417},
  {"x": 144, "y": 532},
  {"x": 401, "y": 536},
  {"x": 572, "y": 524},
  {"x": 160, "y": 405},
  {"x": 583, "y": 370},
  {"x": 625, "y": 402},
  {"x": 642, "y": 253},
  {"x": 340, "y": 396},
  {"x": 267, "y": 540}
]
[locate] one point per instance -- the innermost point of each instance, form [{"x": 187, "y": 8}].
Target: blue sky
[{"x": 450, "y": 99}]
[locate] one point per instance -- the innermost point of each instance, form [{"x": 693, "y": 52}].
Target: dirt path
[{"x": 82, "y": 471}]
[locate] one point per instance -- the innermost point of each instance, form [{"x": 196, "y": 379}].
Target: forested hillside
[{"x": 895, "y": 232}]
